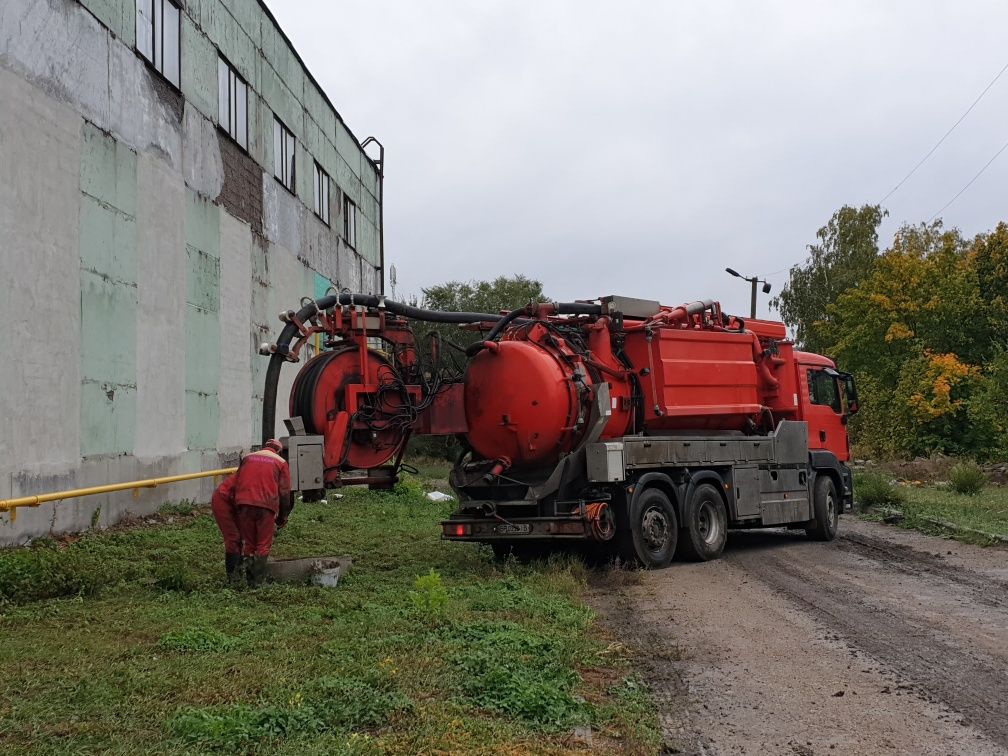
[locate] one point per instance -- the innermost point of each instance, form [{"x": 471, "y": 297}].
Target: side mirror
[{"x": 850, "y": 389}]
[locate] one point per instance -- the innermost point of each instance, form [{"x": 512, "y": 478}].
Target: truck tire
[
  {"x": 654, "y": 530},
  {"x": 825, "y": 509},
  {"x": 703, "y": 537}
]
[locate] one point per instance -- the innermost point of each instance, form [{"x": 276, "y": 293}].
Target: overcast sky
[{"x": 640, "y": 148}]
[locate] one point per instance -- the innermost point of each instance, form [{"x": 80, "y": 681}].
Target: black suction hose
[
  {"x": 290, "y": 331},
  {"x": 562, "y": 308}
]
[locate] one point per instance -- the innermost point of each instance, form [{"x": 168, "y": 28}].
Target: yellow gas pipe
[{"x": 11, "y": 505}]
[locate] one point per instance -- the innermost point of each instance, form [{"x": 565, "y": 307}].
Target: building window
[
  {"x": 232, "y": 103},
  {"x": 321, "y": 194},
  {"x": 349, "y": 221},
  {"x": 157, "y": 36},
  {"x": 283, "y": 154}
]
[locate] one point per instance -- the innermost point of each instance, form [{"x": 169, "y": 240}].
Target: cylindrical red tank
[
  {"x": 529, "y": 398},
  {"x": 520, "y": 403}
]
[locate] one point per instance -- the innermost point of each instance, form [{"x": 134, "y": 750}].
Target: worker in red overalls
[
  {"x": 226, "y": 513},
  {"x": 262, "y": 496}
]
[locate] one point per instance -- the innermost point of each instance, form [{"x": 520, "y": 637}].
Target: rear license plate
[{"x": 509, "y": 529}]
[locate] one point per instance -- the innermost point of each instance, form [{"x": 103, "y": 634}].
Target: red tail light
[{"x": 457, "y": 530}]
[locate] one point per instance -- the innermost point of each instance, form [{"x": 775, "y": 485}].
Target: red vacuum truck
[{"x": 621, "y": 424}]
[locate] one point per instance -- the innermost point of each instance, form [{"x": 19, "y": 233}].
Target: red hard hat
[{"x": 274, "y": 445}]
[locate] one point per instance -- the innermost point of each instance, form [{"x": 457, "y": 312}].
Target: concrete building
[{"x": 171, "y": 177}]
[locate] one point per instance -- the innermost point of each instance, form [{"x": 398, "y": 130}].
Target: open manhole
[{"x": 325, "y": 571}]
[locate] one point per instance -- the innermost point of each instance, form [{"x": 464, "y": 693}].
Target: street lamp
[{"x": 754, "y": 281}]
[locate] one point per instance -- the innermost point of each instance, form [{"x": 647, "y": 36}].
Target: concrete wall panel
[
  {"x": 161, "y": 288},
  {"x": 281, "y": 214},
  {"x": 235, "y": 390},
  {"x": 108, "y": 295},
  {"x": 144, "y": 112},
  {"x": 118, "y": 15},
  {"x": 202, "y": 326},
  {"x": 264, "y": 327},
  {"x": 62, "y": 49},
  {"x": 290, "y": 281},
  {"x": 199, "y": 69},
  {"x": 202, "y": 164},
  {"x": 39, "y": 220}
]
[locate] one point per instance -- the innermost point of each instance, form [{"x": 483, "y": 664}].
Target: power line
[
  {"x": 945, "y": 136},
  {"x": 970, "y": 183}
]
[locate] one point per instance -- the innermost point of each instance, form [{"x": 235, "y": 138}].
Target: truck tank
[{"x": 529, "y": 396}]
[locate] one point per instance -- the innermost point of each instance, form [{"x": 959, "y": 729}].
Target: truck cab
[{"x": 827, "y": 398}]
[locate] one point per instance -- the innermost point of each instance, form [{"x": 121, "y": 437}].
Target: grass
[
  {"x": 876, "y": 489},
  {"x": 129, "y": 641},
  {"x": 924, "y": 508},
  {"x": 967, "y": 478}
]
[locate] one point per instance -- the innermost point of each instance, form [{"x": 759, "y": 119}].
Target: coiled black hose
[{"x": 290, "y": 331}]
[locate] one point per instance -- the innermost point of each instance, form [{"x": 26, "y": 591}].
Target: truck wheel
[
  {"x": 825, "y": 509},
  {"x": 704, "y": 536},
  {"x": 654, "y": 529}
]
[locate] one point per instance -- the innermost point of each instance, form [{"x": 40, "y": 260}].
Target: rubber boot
[
  {"x": 257, "y": 571},
  {"x": 235, "y": 573}
]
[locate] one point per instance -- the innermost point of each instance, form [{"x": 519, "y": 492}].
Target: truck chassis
[{"x": 659, "y": 493}]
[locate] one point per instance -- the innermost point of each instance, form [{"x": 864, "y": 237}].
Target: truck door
[{"x": 824, "y": 410}]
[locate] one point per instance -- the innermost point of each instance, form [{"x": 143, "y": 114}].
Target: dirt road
[{"x": 884, "y": 641}]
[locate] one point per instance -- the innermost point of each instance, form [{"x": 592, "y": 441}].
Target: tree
[
  {"x": 843, "y": 257},
  {"x": 907, "y": 333},
  {"x": 503, "y": 293},
  {"x": 990, "y": 258}
]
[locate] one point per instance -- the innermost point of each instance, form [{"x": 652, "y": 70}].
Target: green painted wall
[
  {"x": 117, "y": 15},
  {"x": 108, "y": 294},
  {"x": 322, "y": 285},
  {"x": 202, "y": 232}
]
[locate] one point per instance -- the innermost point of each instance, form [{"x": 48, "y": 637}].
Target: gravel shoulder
[{"x": 881, "y": 641}]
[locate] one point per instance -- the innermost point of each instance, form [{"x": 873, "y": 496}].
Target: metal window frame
[
  {"x": 288, "y": 155},
  {"x": 349, "y": 222},
  {"x": 156, "y": 60},
  {"x": 231, "y": 127},
  {"x": 323, "y": 184}
]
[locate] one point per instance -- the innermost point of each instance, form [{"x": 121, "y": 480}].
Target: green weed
[
  {"x": 872, "y": 489},
  {"x": 429, "y": 595},
  {"x": 199, "y": 640},
  {"x": 513, "y": 671},
  {"x": 331, "y": 704},
  {"x": 43, "y": 571},
  {"x": 634, "y": 709},
  {"x": 967, "y": 478}
]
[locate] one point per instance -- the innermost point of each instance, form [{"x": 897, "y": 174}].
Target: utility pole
[{"x": 754, "y": 280}]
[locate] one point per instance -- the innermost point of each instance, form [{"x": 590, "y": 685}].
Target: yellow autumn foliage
[
  {"x": 945, "y": 372},
  {"x": 898, "y": 332}
]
